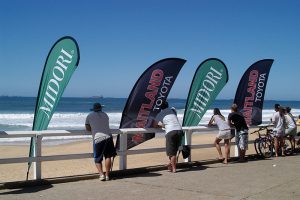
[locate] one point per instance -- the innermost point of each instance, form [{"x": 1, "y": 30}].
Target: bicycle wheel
[
  {"x": 256, "y": 142},
  {"x": 265, "y": 148},
  {"x": 288, "y": 147}
]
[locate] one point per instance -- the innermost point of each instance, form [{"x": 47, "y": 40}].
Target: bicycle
[{"x": 263, "y": 144}]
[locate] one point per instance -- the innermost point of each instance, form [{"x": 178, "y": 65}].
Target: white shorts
[
  {"x": 224, "y": 134},
  {"x": 291, "y": 131}
]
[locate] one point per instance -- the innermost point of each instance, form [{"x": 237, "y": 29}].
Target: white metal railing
[{"x": 122, "y": 153}]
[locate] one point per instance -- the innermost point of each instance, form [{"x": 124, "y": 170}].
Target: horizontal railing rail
[{"x": 122, "y": 152}]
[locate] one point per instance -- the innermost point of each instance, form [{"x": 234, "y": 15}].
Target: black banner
[
  {"x": 251, "y": 91},
  {"x": 145, "y": 99}
]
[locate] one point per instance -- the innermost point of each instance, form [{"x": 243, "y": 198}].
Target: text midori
[
  {"x": 53, "y": 86},
  {"x": 204, "y": 93}
]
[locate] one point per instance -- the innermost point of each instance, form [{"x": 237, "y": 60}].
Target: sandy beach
[{"x": 51, "y": 169}]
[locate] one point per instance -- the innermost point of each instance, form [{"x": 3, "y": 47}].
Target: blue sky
[{"x": 118, "y": 40}]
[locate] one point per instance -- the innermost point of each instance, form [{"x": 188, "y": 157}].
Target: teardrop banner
[
  {"x": 144, "y": 101},
  {"x": 250, "y": 93},
  {"x": 60, "y": 64},
  {"x": 209, "y": 79}
]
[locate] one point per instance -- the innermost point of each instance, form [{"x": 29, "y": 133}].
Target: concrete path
[{"x": 256, "y": 179}]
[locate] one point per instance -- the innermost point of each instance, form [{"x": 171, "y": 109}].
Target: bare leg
[
  {"x": 218, "y": 147},
  {"x": 99, "y": 168},
  {"x": 282, "y": 141},
  {"x": 276, "y": 146},
  {"x": 227, "y": 150},
  {"x": 169, "y": 165},
  {"x": 173, "y": 163},
  {"x": 107, "y": 166},
  {"x": 293, "y": 142}
]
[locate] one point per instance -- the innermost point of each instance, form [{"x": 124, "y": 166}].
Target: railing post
[
  {"x": 188, "y": 141},
  {"x": 37, "y": 165},
  {"x": 123, "y": 151}
]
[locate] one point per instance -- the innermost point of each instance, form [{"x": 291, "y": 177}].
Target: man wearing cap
[
  {"x": 167, "y": 118},
  {"x": 98, "y": 123}
]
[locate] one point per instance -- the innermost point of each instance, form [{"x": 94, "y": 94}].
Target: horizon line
[{"x": 101, "y": 97}]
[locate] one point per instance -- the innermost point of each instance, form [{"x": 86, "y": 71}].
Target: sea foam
[{"x": 76, "y": 121}]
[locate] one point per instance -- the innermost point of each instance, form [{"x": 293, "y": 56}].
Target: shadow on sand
[{"x": 21, "y": 187}]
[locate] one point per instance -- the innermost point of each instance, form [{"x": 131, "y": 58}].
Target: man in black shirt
[{"x": 237, "y": 120}]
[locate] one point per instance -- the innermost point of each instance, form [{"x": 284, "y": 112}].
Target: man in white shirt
[
  {"x": 275, "y": 117},
  {"x": 98, "y": 123},
  {"x": 279, "y": 122},
  {"x": 167, "y": 118}
]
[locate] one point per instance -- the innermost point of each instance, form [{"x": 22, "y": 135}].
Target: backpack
[{"x": 185, "y": 151}]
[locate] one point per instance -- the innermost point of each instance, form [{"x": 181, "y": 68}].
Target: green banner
[
  {"x": 209, "y": 79},
  {"x": 61, "y": 62}
]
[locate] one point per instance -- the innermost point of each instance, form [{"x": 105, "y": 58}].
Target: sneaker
[
  {"x": 107, "y": 178},
  {"x": 102, "y": 177}
]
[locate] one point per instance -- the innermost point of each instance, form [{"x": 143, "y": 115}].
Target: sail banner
[
  {"x": 145, "y": 99},
  {"x": 209, "y": 79},
  {"x": 251, "y": 91},
  {"x": 60, "y": 64}
]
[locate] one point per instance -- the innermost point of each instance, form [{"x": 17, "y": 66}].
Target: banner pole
[
  {"x": 123, "y": 151},
  {"x": 37, "y": 165},
  {"x": 188, "y": 141}
]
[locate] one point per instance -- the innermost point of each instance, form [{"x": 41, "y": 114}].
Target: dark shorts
[
  {"x": 104, "y": 148},
  {"x": 173, "y": 140}
]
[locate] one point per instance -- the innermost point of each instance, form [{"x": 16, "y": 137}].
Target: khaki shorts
[{"x": 173, "y": 139}]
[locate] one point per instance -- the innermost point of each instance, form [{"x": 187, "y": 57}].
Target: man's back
[
  {"x": 99, "y": 122},
  {"x": 169, "y": 119},
  {"x": 238, "y": 121}
]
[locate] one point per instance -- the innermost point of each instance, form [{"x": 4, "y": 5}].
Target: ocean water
[{"x": 17, "y": 113}]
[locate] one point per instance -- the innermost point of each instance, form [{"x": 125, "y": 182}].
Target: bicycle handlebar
[{"x": 262, "y": 128}]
